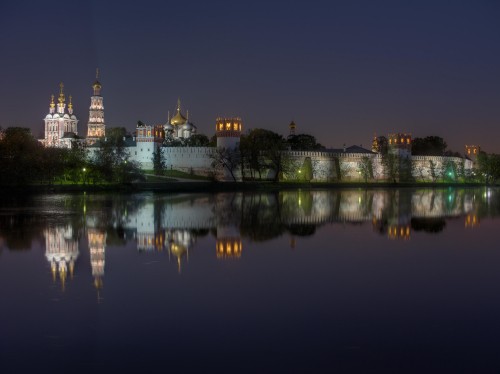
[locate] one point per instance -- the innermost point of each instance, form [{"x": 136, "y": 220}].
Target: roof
[{"x": 351, "y": 149}]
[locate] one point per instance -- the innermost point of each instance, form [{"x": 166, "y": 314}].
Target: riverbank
[{"x": 201, "y": 186}]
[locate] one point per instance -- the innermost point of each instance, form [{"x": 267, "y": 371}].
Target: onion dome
[
  {"x": 168, "y": 127},
  {"x": 188, "y": 126},
  {"x": 97, "y": 85},
  {"x": 178, "y": 119}
]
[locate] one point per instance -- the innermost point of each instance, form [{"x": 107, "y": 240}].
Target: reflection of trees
[
  {"x": 302, "y": 230},
  {"x": 260, "y": 217},
  {"x": 430, "y": 225},
  {"x": 19, "y": 230},
  {"x": 111, "y": 214}
]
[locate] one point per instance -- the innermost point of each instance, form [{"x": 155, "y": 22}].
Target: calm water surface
[{"x": 297, "y": 281}]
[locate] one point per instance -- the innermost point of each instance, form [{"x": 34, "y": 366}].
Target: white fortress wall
[{"x": 189, "y": 159}]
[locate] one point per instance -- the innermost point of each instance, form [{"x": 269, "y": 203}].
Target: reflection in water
[
  {"x": 61, "y": 251},
  {"x": 97, "y": 247},
  {"x": 184, "y": 275},
  {"x": 173, "y": 224}
]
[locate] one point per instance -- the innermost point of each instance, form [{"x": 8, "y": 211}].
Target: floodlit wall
[{"x": 189, "y": 159}]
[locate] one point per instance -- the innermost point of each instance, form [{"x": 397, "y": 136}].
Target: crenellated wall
[{"x": 329, "y": 166}]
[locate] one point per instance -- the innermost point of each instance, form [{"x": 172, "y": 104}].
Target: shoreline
[{"x": 214, "y": 187}]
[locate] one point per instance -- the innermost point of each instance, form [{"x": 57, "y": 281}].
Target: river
[{"x": 354, "y": 280}]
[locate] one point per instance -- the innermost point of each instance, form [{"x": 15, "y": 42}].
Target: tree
[
  {"x": 303, "y": 142},
  {"x": 263, "y": 149},
  {"x": 383, "y": 145},
  {"x": 489, "y": 166},
  {"x": 197, "y": 140},
  {"x": 365, "y": 168},
  {"x": 111, "y": 161},
  {"x": 390, "y": 162},
  {"x": 20, "y": 157},
  {"x": 429, "y": 146},
  {"x": 227, "y": 159},
  {"x": 158, "y": 161},
  {"x": 433, "y": 170}
]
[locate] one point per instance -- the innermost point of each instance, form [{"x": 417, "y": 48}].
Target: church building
[{"x": 61, "y": 124}]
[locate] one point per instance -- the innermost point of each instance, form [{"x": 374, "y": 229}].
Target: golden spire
[
  {"x": 52, "y": 104},
  {"x": 70, "y": 105},
  {"x": 61, "y": 99},
  {"x": 187, "y": 115},
  {"x": 178, "y": 105}
]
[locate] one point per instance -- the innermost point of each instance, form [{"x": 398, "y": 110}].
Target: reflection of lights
[
  {"x": 471, "y": 220},
  {"x": 359, "y": 200},
  {"x": 399, "y": 232},
  {"x": 228, "y": 248}
]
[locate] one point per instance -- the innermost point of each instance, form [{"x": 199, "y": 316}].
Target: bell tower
[{"x": 96, "y": 125}]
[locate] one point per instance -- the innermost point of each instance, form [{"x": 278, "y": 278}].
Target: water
[{"x": 297, "y": 281}]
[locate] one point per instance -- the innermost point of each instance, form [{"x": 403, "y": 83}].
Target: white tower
[
  {"x": 96, "y": 125},
  {"x": 228, "y": 132}
]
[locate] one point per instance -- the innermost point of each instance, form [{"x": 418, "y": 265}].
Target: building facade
[{"x": 61, "y": 125}]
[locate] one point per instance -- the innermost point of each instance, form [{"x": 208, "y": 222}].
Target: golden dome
[{"x": 178, "y": 119}]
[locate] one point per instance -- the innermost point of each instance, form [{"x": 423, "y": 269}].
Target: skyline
[{"x": 341, "y": 72}]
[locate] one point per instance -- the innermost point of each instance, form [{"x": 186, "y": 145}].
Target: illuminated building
[
  {"x": 61, "y": 251},
  {"x": 228, "y": 131},
  {"x": 179, "y": 126},
  {"x": 96, "y": 124},
  {"x": 292, "y": 126},
  {"x": 400, "y": 144},
  {"x": 60, "y": 124},
  {"x": 472, "y": 151}
]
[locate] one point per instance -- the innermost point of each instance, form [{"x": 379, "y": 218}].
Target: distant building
[
  {"x": 179, "y": 127},
  {"x": 292, "y": 127},
  {"x": 471, "y": 151},
  {"x": 400, "y": 144},
  {"x": 60, "y": 124}
]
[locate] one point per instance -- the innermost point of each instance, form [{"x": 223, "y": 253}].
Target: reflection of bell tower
[
  {"x": 228, "y": 244},
  {"x": 97, "y": 246},
  {"x": 61, "y": 250}
]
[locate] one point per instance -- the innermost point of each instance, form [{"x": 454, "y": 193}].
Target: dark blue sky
[{"x": 342, "y": 70}]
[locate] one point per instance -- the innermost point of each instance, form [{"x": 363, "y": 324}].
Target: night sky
[{"x": 342, "y": 70}]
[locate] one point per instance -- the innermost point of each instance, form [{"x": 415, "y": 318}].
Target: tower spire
[
  {"x": 61, "y": 99},
  {"x": 96, "y": 73},
  {"x": 52, "y": 105},
  {"x": 178, "y": 105},
  {"x": 70, "y": 105}
]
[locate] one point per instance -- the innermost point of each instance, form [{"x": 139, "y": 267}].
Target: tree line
[{"x": 24, "y": 160}]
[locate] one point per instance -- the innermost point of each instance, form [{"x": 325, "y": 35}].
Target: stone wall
[{"x": 189, "y": 159}]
